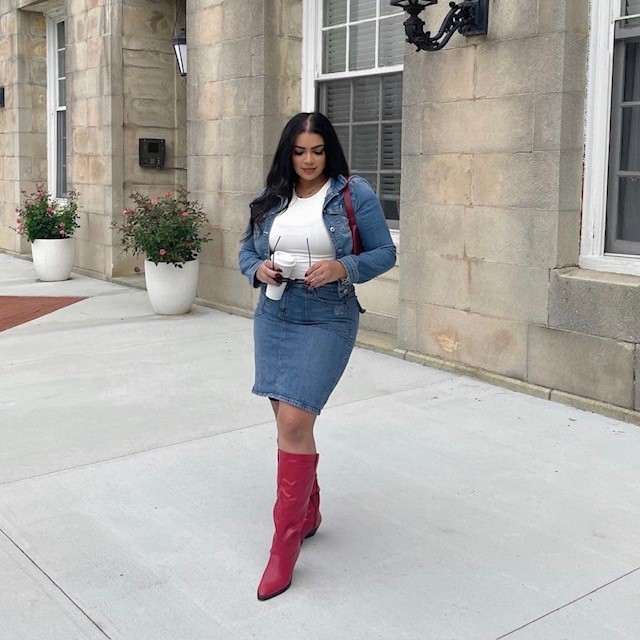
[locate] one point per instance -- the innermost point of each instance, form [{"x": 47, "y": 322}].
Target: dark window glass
[
  {"x": 367, "y": 114},
  {"x": 622, "y": 234}
]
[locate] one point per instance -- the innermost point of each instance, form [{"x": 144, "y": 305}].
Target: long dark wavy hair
[{"x": 282, "y": 177}]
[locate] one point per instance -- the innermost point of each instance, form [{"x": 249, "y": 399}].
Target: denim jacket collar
[{"x": 337, "y": 185}]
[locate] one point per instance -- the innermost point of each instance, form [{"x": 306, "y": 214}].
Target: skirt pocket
[{"x": 340, "y": 316}]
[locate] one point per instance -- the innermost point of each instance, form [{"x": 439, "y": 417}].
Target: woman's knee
[{"x": 294, "y": 425}]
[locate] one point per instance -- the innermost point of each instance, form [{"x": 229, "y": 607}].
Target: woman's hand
[
  {"x": 324, "y": 272},
  {"x": 268, "y": 272}
]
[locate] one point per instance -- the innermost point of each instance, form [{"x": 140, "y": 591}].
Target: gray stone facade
[{"x": 493, "y": 143}]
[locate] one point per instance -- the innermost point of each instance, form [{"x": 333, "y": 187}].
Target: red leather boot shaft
[{"x": 296, "y": 473}]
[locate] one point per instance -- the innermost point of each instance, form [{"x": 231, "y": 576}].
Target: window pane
[
  {"x": 630, "y": 140},
  {"x": 61, "y": 154},
  {"x": 334, "y": 45},
  {"x": 630, "y": 7},
  {"x": 391, "y": 41},
  {"x": 390, "y": 197},
  {"x": 337, "y": 101},
  {"x": 386, "y": 8},
  {"x": 390, "y": 185},
  {"x": 369, "y": 110},
  {"x": 334, "y": 12},
  {"x": 372, "y": 179},
  {"x": 60, "y": 35},
  {"x": 391, "y": 209},
  {"x": 61, "y": 65},
  {"x": 343, "y": 136},
  {"x": 365, "y": 147},
  {"x": 629, "y": 209},
  {"x": 362, "y": 9},
  {"x": 391, "y": 145},
  {"x": 632, "y": 72},
  {"x": 362, "y": 47},
  {"x": 366, "y": 96},
  {"x": 392, "y": 97},
  {"x": 62, "y": 93}
]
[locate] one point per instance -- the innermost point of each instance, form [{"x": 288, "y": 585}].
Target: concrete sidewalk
[{"x": 137, "y": 477}]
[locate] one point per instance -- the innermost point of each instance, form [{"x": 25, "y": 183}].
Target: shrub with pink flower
[
  {"x": 167, "y": 228},
  {"x": 43, "y": 217}
]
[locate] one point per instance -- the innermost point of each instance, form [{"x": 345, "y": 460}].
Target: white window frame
[
  {"x": 312, "y": 63},
  {"x": 52, "y": 19},
  {"x": 604, "y": 15}
]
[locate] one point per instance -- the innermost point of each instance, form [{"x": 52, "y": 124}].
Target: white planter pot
[
  {"x": 53, "y": 259},
  {"x": 171, "y": 289}
]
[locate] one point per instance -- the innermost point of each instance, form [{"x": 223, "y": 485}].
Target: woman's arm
[
  {"x": 254, "y": 267},
  {"x": 379, "y": 253},
  {"x": 249, "y": 260}
]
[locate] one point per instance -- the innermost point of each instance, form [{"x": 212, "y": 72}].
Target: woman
[{"x": 303, "y": 341}]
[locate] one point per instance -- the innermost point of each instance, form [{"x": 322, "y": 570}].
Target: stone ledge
[
  {"x": 596, "y": 406},
  {"x": 596, "y": 303},
  {"x": 370, "y": 341}
]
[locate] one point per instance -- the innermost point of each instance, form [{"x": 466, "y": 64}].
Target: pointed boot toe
[{"x": 276, "y": 578}]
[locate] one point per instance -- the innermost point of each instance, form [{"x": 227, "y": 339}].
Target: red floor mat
[{"x": 15, "y": 310}]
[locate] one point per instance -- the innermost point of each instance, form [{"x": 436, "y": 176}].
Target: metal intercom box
[{"x": 151, "y": 152}]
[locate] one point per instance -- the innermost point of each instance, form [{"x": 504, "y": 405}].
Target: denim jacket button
[
  {"x": 332, "y": 229},
  {"x": 339, "y": 250}
]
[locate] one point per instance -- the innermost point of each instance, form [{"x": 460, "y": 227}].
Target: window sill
[
  {"x": 611, "y": 264},
  {"x": 597, "y": 303}
]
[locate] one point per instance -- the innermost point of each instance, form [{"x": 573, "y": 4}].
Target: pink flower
[
  {"x": 61, "y": 232},
  {"x": 62, "y": 225},
  {"x": 168, "y": 194},
  {"x": 185, "y": 214},
  {"x": 154, "y": 201},
  {"x": 50, "y": 211},
  {"x": 17, "y": 210},
  {"x": 162, "y": 252},
  {"x": 124, "y": 212}
]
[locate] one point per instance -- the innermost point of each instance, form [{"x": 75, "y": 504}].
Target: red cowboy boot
[
  {"x": 313, "y": 518},
  {"x": 296, "y": 472}
]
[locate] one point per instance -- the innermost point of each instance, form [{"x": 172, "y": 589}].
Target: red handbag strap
[{"x": 348, "y": 205}]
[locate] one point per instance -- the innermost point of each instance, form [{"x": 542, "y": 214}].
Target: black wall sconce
[
  {"x": 1, "y": 96},
  {"x": 469, "y": 17}
]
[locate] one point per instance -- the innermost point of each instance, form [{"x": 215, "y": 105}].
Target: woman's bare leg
[
  {"x": 274, "y": 405},
  {"x": 295, "y": 429}
]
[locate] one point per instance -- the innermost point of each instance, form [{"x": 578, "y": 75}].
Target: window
[
  {"x": 57, "y": 101},
  {"x": 611, "y": 216},
  {"x": 355, "y": 79}
]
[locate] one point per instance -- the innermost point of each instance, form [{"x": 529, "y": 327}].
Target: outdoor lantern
[
  {"x": 469, "y": 17},
  {"x": 180, "y": 47}
]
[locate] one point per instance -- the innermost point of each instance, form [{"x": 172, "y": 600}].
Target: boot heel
[{"x": 311, "y": 533}]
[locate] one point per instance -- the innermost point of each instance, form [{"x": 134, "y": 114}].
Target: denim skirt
[{"x": 302, "y": 343}]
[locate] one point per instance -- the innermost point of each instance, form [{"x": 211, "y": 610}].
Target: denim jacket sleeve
[
  {"x": 379, "y": 253},
  {"x": 249, "y": 260}
]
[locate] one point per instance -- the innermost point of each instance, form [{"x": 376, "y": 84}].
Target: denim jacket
[{"x": 379, "y": 253}]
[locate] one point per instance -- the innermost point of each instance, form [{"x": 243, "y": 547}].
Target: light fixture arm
[{"x": 469, "y": 17}]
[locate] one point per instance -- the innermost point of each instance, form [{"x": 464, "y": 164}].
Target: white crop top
[{"x": 299, "y": 222}]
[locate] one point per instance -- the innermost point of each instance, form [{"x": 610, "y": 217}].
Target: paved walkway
[{"x": 137, "y": 480}]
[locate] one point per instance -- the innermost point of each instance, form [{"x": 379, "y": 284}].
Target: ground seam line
[
  {"x": 624, "y": 575},
  {"x": 193, "y": 440},
  {"x": 55, "y": 584},
  {"x": 134, "y": 453}
]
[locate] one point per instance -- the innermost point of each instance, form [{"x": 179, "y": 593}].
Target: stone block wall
[
  {"x": 23, "y": 127},
  {"x": 123, "y": 85},
  {"x": 243, "y": 84},
  {"x": 491, "y": 186}
]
